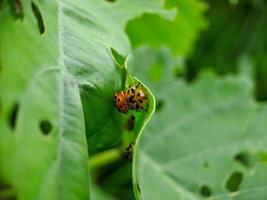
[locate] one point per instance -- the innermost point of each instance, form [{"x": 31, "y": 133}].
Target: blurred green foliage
[
  {"x": 236, "y": 28},
  {"x": 178, "y": 34}
]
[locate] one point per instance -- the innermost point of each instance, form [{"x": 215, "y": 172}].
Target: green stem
[{"x": 104, "y": 158}]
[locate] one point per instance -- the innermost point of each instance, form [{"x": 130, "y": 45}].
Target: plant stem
[{"x": 104, "y": 158}]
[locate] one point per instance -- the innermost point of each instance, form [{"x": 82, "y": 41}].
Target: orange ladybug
[
  {"x": 121, "y": 102},
  {"x": 133, "y": 98}
]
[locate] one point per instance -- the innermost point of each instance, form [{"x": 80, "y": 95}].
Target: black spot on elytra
[
  {"x": 138, "y": 94},
  {"x": 38, "y": 17},
  {"x": 140, "y": 101},
  {"x": 131, "y": 99},
  {"x": 13, "y": 116},
  {"x": 45, "y": 127},
  {"x": 132, "y": 90},
  {"x": 205, "y": 191},
  {"x": 234, "y": 181}
]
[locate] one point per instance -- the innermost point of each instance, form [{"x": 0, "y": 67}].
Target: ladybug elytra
[{"x": 133, "y": 98}]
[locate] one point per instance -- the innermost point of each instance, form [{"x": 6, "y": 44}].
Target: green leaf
[
  {"x": 58, "y": 78},
  {"x": 208, "y": 140},
  {"x": 179, "y": 34}
]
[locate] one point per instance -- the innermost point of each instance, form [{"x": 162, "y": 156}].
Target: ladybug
[
  {"x": 121, "y": 101},
  {"x": 133, "y": 98},
  {"x": 137, "y": 97}
]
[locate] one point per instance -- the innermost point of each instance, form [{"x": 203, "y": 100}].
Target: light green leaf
[
  {"x": 207, "y": 140},
  {"x": 57, "y": 68}
]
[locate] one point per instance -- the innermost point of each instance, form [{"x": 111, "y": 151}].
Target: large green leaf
[
  {"x": 58, "y": 72},
  {"x": 207, "y": 140},
  {"x": 48, "y": 136}
]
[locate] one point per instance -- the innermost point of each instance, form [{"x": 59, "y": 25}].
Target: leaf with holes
[
  {"x": 208, "y": 140},
  {"x": 58, "y": 78}
]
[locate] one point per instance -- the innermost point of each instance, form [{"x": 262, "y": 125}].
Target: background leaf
[{"x": 196, "y": 152}]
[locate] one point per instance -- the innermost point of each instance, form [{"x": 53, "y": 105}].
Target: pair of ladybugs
[{"x": 133, "y": 98}]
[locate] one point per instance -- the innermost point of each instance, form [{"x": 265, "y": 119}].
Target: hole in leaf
[
  {"x": 205, "y": 191},
  {"x": 243, "y": 158},
  {"x": 7, "y": 192},
  {"x": 206, "y": 164},
  {"x": 17, "y": 10},
  {"x": 234, "y": 181},
  {"x": 130, "y": 123},
  {"x": 119, "y": 58},
  {"x": 45, "y": 127},
  {"x": 38, "y": 17},
  {"x": 159, "y": 105},
  {"x": 13, "y": 116}
]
